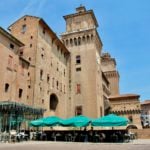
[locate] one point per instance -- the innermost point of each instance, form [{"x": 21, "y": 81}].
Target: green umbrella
[
  {"x": 37, "y": 123},
  {"x": 77, "y": 121},
  {"x": 110, "y": 120},
  {"x": 52, "y": 121}
]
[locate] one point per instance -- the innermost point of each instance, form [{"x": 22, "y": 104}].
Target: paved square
[{"x": 138, "y": 145}]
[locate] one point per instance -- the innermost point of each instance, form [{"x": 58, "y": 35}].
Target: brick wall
[{"x": 142, "y": 133}]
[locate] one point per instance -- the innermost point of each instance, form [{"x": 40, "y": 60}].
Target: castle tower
[
  {"x": 82, "y": 40},
  {"x": 109, "y": 69}
]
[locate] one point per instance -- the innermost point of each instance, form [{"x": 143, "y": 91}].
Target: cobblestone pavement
[{"x": 134, "y": 145}]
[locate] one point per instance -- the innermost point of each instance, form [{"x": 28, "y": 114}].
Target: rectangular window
[
  {"x": 53, "y": 82},
  {"x": 22, "y": 69},
  {"x": 78, "y": 60},
  {"x": 44, "y": 31},
  {"x": 6, "y": 87},
  {"x": 41, "y": 74},
  {"x": 78, "y": 69},
  {"x": 10, "y": 62},
  {"x": 101, "y": 111},
  {"x": 78, "y": 110},
  {"x": 57, "y": 84},
  {"x": 64, "y": 72},
  {"x": 20, "y": 93},
  {"x": 48, "y": 78},
  {"x": 57, "y": 66},
  {"x": 42, "y": 101},
  {"x": 78, "y": 89},
  {"x": 24, "y": 28},
  {"x": 11, "y": 46}
]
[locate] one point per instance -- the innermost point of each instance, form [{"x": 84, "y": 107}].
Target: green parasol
[{"x": 110, "y": 120}]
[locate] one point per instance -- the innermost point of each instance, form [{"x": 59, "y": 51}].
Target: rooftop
[
  {"x": 119, "y": 96},
  {"x": 145, "y": 102},
  {"x": 11, "y": 37}
]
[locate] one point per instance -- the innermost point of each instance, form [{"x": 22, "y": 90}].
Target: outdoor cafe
[
  {"x": 75, "y": 129},
  {"x": 81, "y": 129}
]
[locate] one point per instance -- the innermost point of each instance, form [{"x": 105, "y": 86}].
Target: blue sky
[{"x": 123, "y": 27}]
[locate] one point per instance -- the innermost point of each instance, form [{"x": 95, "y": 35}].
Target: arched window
[
  {"x": 83, "y": 39},
  {"x": 91, "y": 37},
  {"x": 75, "y": 42},
  {"x": 88, "y": 38},
  {"x": 79, "y": 41},
  {"x": 71, "y": 42},
  {"x": 53, "y": 102},
  {"x": 66, "y": 42}
]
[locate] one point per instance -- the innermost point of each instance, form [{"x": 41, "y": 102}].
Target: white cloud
[{"x": 33, "y": 7}]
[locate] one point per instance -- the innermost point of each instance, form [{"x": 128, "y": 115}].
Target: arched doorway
[
  {"x": 131, "y": 127},
  {"x": 53, "y": 103}
]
